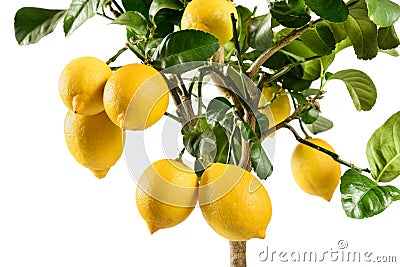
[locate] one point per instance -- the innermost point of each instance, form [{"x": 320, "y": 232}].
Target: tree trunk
[{"x": 238, "y": 253}]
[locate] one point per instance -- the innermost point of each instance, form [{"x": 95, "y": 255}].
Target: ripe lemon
[
  {"x": 279, "y": 109},
  {"x": 94, "y": 141},
  {"x": 212, "y": 16},
  {"x": 166, "y": 194},
  {"x": 81, "y": 85},
  {"x": 135, "y": 97},
  {"x": 315, "y": 172},
  {"x": 234, "y": 203}
]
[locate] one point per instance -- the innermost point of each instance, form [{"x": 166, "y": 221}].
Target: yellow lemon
[
  {"x": 234, "y": 203},
  {"x": 315, "y": 172},
  {"x": 81, "y": 85},
  {"x": 279, "y": 109},
  {"x": 212, "y": 16},
  {"x": 136, "y": 97},
  {"x": 166, "y": 194},
  {"x": 94, "y": 141}
]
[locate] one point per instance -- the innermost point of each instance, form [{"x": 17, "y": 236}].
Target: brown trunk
[{"x": 238, "y": 253}]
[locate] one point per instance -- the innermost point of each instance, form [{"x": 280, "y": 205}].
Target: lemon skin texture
[
  {"x": 166, "y": 194},
  {"x": 212, "y": 16},
  {"x": 234, "y": 203},
  {"x": 315, "y": 172},
  {"x": 94, "y": 141},
  {"x": 135, "y": 97},
  {"x": 81, "y": 85}
]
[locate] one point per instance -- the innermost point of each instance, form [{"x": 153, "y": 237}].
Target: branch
[
  {"x": 275, "y": 48},
  {"x": 333, "y": 155}
]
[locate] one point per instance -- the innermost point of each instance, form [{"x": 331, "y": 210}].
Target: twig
[
  {"x": 236, "y": 42},
  {"x": 104, "y": 15},
  {"x": 275, "y": 48},
  {"x": 113, "y": 58},
  {"x": 120, "y": 9},
  {"x": 175, "y": 118},
  {"x": 333, "y": 155}
]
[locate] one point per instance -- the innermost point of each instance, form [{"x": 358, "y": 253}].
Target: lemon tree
[{"x": 270, "y": 70}]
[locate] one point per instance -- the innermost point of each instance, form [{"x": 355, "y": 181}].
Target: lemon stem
[
  {"x": 333, "y": 155},
  {"x": 120, "y": 52}
]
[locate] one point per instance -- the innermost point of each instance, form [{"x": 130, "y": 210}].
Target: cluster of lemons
[{"x": 102, "y": 104}]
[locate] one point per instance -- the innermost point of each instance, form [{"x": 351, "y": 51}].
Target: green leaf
[
  {"x": 141, "y": 6},
  {"x": 244, "y": 15},
  {"x": 362, "y": 31},
  {"x": 294, "y": 83},
  {"x": 331, "y": 10},
  {"x": 201, "y": 144},
  {"x": 288, "y": 15},
  {"x": 262, "y": 124},
  {"x": 78, "y": 13},
  {"x": 217, "y": 108},
  {"x": 391, "y": 52},
  {"x": 320, "y": 125},
  {"x": 320, "y": 40},
  {"x": 360, "y": 86},
  {"x": 383, "y": 150},
  {"x": 31, "y": 24},
  {"x": 309, "y": 116},
  {"x": 383, "y": 12},
  {"x": 362, "y": 197},
  {"x": 158, "y": 5},
  {"x": 185, "y": 46},
  {"x": 260, "y": 33},
  {"x": 247, "y": 132},
  {"x": 387, "y": 38},
  {"x": 134, "y": 20},
  {"x": 222, "y": 144},
  {"x": 260, "y": 161}
]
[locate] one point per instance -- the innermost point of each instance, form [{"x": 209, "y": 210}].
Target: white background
[{"x": 53, "y": 212}]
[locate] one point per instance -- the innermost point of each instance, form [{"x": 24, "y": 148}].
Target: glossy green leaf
[
  {"x": 362, "y": 31},
  {"x": 134, "y": 20},
  {"x": 262, "y": 124},
  {"x": 360, "y": 86},
  {"x": 295, "y": 83},
  {"x": 158, "y": 5},
  {"x": 201, "y": 144},
  {"x": 331, "y": 10},
  {"x": 259, "y": 32},
  {"x": 322, "y": 124},
  {"x": 244, "y": 15},
  {"x": 383, "y": 12},
  {"x": 78, "y": 13},
  {"x": 248, "y": 134},
  {"x": 362, "y": 197},
  {"x": 31, "y": 24},
  {"x": 217, "y": 108},
  {"x": 309, "y": 116},
  {"x": 260, "y": 161},
  {"x": 319, "y": 39},
  {"x": 222, "y": 144},
  {"x": 185, "y": 46},
  {"x": 141, "y": 6},
  {"x": 387, "y": 38},
  {"x": 288, "y": 15},
  {"x": 383, "y": 150}
]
